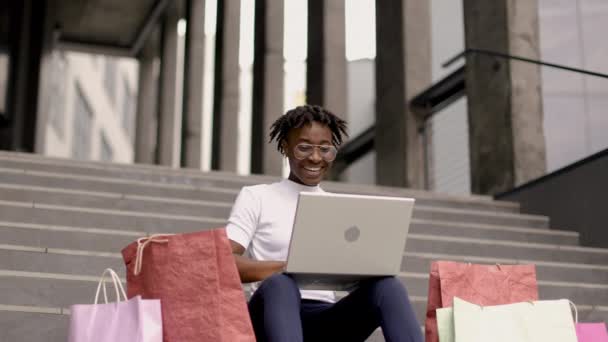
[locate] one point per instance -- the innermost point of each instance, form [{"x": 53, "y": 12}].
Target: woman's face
[{"x": 310, "y": 170}]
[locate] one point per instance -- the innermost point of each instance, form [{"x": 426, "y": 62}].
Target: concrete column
[
  {"x": 403, "y": 69},
  {"x": 29, "y": 54},
  {"x": 268, "y": 85},
  {"x": 228, "y": 113},
  {"x": 504, "y": 97},
  {"x": 192, "y": 125},
  {"x": 169, "y": 127},
  {"x": 44, "y": 82},
  {"x": 326, "y": 73},
  {"x": 146, "y": 126}
]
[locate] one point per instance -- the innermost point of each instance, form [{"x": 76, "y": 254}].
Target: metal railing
[
  {"x": 521, "y": 59},
  {"x": 432, "y": 100}
]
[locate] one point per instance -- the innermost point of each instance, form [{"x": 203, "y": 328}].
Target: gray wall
[
  {"x": 361, "y": 100},
  {"x": 574, "y": 197}
]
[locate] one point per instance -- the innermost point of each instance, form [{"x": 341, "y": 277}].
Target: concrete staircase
[{"x": 62, "y": 222}]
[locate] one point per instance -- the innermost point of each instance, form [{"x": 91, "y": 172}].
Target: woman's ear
[{"x": 284, "y": 148}]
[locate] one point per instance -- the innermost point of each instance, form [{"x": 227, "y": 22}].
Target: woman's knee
[
  {"x": 279, "y": 285},
  {"x": 387, "y": 287}
]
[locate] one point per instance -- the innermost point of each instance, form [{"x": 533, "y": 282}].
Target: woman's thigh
[{"x": 351, "y": 319}]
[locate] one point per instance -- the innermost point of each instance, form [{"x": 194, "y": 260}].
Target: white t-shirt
[{"x": 262, "y": 220}]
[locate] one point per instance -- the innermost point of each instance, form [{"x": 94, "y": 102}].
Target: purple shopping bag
[
  {"x": 133, "y": 320},
  {"x": 591, "y": 332}
]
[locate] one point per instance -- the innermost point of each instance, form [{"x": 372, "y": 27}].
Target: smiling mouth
[{"x": 314, "y": 170}]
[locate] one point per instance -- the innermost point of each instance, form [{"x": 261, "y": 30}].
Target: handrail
[
  {"x": 436, "y": 97},
  {"x": 352, "y": 150},
  {"x": 522, "y": 59},
  {"x": 439, "y": 95}
]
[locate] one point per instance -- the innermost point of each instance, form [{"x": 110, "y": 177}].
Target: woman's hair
[{"x": 304, "y": 115}]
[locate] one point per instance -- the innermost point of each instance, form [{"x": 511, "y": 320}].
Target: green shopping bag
[{"x": 547, "y": 320}]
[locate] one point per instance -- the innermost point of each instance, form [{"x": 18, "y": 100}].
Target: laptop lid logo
[{"x": 352, "y": 234}]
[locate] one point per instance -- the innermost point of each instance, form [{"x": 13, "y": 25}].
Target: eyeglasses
[{"x": 303, "y": 151}]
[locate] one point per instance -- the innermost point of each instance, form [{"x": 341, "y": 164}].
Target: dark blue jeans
[{"x": 280, "y": 315}]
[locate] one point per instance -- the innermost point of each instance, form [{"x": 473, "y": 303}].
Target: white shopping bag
[
  {"x": 445, "y": 324},
  {"x": 539, "y": 321}
]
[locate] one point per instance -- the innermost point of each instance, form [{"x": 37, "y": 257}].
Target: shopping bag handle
[
  {"x": 573, "y": 306},
  {"x": 117, "y": 286},
  {"x": 575, "y": 311},
  {"x": 141, "y": 245}
]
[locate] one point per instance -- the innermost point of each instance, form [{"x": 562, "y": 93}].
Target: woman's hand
[{"x": 253, "y": 270}]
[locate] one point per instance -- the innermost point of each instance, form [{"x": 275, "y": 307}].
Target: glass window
[
  {"x": 4, "y": 70},
  {"x": 107, "y": 153},
  {"x": 56, "y": 99},
  {"x": 128, "y": 109},
  {"x": 83, "y": 119},
  {"x": 5, "y": 49},
  {"x": 109, "y": 79},
  {"x": 575, "y": 119}
]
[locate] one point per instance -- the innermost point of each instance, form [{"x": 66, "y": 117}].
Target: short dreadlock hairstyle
[{"x": 304, "y": 115}]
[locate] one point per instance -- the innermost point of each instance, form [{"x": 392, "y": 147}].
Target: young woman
[{"x": 261, "y": 222}]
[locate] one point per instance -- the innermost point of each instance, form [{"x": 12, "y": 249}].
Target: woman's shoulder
[{"x": 261, "y": 189}]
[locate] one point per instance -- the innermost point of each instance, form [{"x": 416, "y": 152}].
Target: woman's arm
[{"x": 252, "y": 270}]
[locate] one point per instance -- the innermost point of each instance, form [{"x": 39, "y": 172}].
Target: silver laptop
[{"x": 339, "y": 240}]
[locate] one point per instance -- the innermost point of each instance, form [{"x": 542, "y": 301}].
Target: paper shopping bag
[
  {"x": 133, "y": 320},
  {"x": 195, "y": 277},
  {"x": 445, "y": 324},
  {"x": 548, "y": 320},
  {"x": 591, "y": 332},
  {"x": 479, "y": 284}
]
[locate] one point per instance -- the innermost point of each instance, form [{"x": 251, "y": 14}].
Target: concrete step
[
  {"x": 94, "y": 218},
  {"x": 204, "y": 206},
  {"x": 86, "y": 183},
  {"x": 55, "y": 260},
  {"x": 480, "y": 217},
  {"x": 61, "y": 290},
  {"x": 66, "y": 237},
  {"x": 127, "y": 202},
  {"x": 104, "y": 219},
  {"x": 111, "y": 240},
  {"x": 505, "y": 249},
  {"x": 33, "y": 324},
  {"x": 210, "y": 192},
  {"x": 143, "y": 172},
  {"x": 494, "y": 232},
  {"x": 581, "y": 293},
  {"x": 51, "y": 324},
  {"x": 545, "y": 270},
  {"x": 114, "y": 201},
  {"x": 86, "y": 262},
  {"x": 159, "y": 174}
]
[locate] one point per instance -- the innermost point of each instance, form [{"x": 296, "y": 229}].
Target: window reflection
[{"x": 4, "y": 70}]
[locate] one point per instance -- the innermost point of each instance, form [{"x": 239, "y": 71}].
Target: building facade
[
  {"x": 204, "y": 95},
  {"x": 91, "y": 108}
]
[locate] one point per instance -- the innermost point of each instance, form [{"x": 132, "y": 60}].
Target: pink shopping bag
[
  {"x": 133, "y": 320},
  {"x": 478, "y": 284},
  {"x": 591, "y": 332}
]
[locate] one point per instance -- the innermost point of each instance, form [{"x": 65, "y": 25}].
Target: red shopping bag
[
  {"x": 478, "y": 284},
  {"x": 195, "y": 277}
]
